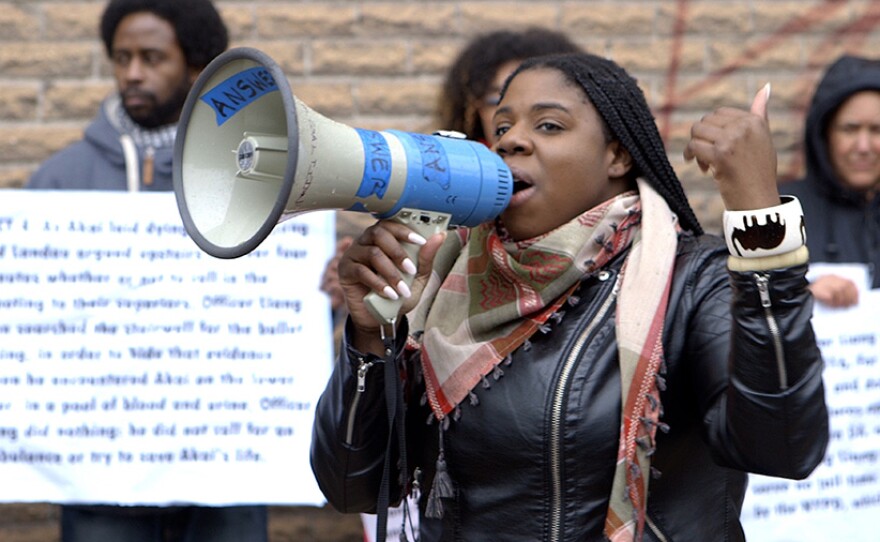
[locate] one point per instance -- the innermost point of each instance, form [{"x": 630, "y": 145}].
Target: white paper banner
[
  {"x": 841, "y": 498},
  {"x": 137, "y": 369}
]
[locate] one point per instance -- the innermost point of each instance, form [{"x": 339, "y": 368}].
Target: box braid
[{"x": 622, "y": 105}]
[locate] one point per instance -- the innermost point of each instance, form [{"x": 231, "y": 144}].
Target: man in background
[{"x": 157, "y": 49}]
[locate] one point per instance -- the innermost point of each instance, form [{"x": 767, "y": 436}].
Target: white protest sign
[
  {"x": 137, "y": 369},
  {"x": 841, "y": 498}
]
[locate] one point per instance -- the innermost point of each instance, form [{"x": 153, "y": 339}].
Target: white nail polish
[
  {"x": 416, "y": 239},
  {"x": 390, "y": 293},
  {"x": 404, "y": 289},
  {"x": 767, "y": 89},
  {"x": 409, "y": 266}
]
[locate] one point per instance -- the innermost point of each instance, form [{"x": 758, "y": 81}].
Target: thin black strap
[{"x": 395, "y": 407}]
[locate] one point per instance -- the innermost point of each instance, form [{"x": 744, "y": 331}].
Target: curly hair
[
  {"x": 621, "y": 103},
  {"x": 471, "y": 74},
  {"x": 200, "y": 30}
]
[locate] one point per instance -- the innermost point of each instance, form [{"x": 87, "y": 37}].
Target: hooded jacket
[
  {"x": 105, "y": 159},
  {"x": 842, "y": 226},
  {"x": 525, "y": 471}
]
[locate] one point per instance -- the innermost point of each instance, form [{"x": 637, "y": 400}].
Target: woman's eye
[
  {"x": 501, "y": 130},
  {"x": 549, "y": 127}
]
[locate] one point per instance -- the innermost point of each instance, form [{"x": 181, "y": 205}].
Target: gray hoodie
[{"x": 99, "y": 161}]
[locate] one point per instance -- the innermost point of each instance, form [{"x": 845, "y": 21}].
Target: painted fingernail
[
  {"x": 409, "y": 266},
  {"x": 767, "y": 89},
  {"x": 404, "y": 289},
  {"x": 390, "y": 293},
  {"x": 416, "y": 238}
]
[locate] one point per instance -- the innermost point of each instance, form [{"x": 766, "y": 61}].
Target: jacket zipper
[
  {"x": 763, "y": 281},
  {"x": 362, "y": 369},
  {"x": 556, "y": 414}
]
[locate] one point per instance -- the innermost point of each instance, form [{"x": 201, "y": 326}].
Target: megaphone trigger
[{"x": 426, "y": 224}]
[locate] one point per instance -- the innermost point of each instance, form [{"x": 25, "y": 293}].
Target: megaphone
[{"x": 249, "y": 155}]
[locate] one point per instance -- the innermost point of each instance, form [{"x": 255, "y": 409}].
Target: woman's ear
[{"x": 621, "y": 160}]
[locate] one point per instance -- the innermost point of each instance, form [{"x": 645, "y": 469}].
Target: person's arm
[
  {"x": 758, "y": 378},
  {"x": 350, "y": 433},
  {"x": 768, "y": 415}
]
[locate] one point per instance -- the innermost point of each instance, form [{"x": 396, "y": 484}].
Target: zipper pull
[
  {"x": 763, "y": 289},
  {"x": 363, "y": 367}
]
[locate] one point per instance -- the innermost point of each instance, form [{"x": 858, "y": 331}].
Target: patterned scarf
[{"x": 487, "y": 297}]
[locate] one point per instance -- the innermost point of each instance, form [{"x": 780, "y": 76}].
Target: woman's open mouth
[{"x": 521, "y": 186}]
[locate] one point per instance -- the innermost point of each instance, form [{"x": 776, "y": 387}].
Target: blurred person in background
[
  {"x": 839, "y": 192},
  {"x": 472, "y": 85}
]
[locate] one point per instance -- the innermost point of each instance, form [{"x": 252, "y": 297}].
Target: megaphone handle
[{"x": 426, "y": 224}]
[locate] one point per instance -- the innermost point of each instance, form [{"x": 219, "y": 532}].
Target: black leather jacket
[{"x": 534, "y": 459}]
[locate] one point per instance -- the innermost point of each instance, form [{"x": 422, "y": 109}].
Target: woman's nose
[{"x": 513, "y": 141}]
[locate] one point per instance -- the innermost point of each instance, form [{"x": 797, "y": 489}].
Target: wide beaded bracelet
[{"x": 767, "y": 238}]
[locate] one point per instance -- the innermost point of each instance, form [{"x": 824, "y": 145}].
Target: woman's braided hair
[{"x": 622, "y": 105}]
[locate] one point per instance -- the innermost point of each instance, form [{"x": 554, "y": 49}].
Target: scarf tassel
[
  {"x": 441, "y": 487},
  {"x": 661, "y": 382},
  {"x": 648, "y": 423},
  {"x": 646, "y": 444},
  {"x": 656, "y": 405},
  {"x": 654, "y": 402}
]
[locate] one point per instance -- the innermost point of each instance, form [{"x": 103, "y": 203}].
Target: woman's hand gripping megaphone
[{"x": 383, "y": 273}]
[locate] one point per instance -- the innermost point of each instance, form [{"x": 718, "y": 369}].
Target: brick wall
[{"x": 377, "y": 64}]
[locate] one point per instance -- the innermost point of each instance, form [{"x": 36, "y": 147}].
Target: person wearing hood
[{"x": 839, "y": 193}]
